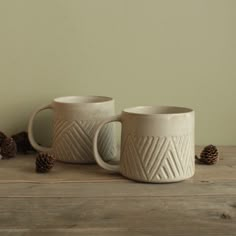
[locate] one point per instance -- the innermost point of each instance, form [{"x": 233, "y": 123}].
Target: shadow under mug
[
  {"x": 157, "y": 144},
  {"x": 75, "y": 122}
]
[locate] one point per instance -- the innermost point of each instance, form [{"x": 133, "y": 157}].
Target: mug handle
[
  {"x": 98, "y": 158},
  {"x": 31, "y": 133}
]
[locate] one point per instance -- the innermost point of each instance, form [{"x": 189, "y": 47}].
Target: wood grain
[
  {"x": 167, "y": 215},
  {"x": 85, "y": 200},
  {"x": 22, "y": 169},
  {"x": 106, "y": 190}
]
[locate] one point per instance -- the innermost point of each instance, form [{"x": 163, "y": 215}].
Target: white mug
[
  {"x": 157, "y": 144},
  {"x": 75, "y": 121}
]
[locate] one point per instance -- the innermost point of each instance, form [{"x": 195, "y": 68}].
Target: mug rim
[
  {"x": 82, "y": 99},
  {"x": 157, "y": 110}
]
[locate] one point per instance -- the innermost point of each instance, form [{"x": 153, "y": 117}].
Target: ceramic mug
[
  {"x": 75, "y": 121},
  {"x": 157, "y": 144}
]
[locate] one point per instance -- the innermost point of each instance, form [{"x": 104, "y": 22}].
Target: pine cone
[
  {"x": 8, "y": 148},
  {"x": 22, "y": 142},
  {"x": 44, "y": 162},
  {"x": 2, "y": 137},
  {"x": 209, "y": 155}
]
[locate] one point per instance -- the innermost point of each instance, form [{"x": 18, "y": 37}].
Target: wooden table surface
[{"x": 86, "y": 200}]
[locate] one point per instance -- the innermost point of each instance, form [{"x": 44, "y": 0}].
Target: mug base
[{"x": 167, "y": 181}]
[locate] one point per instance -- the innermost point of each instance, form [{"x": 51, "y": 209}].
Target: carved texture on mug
[
  {"x": 151, "y": 158},
  {"x": 73, "y": 140}
]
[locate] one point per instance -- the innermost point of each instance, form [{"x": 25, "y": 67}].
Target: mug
[
  {"x": 75, "y": 121},
  {"x": 157, "y": 144}
]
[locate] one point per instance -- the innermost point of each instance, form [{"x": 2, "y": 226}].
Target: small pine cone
[
  {"x": 209, "y": 155},
  {"x": 44, "y": 162},
  {"x": 22, "y": 142},
  {"x": 8, "y": 148},
  {"x": 2, "y": 137}
]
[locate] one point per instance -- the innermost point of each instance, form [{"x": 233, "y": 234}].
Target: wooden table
[{"x": 86, "y": 200}]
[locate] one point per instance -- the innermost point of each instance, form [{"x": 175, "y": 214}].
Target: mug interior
[
  {"x": 157, "y": 110},
  {"x": 82, "y": 99}
]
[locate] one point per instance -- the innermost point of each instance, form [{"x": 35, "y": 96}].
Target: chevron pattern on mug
[
  {"x": 72, "y": 141},
  {"x": 162, "y": 159}
]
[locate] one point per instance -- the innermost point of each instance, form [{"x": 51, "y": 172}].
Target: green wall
[{"x": 168, "y": 52}]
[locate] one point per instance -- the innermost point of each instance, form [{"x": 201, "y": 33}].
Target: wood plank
[
  {"x": 84, "y": 190},
  {"x": 202, "y": 215},
  {"x": 100, "y": 232},
  {"x": 86, "y": 200},
  {"x": 22, "y": 169}
]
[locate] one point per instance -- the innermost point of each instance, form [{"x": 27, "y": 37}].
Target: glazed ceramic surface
[
  {"x": 75, "y": 122},
  {"x": 157, "y": 144}
]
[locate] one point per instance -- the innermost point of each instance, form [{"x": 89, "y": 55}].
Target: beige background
[{"x": 175, "y": 52}]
